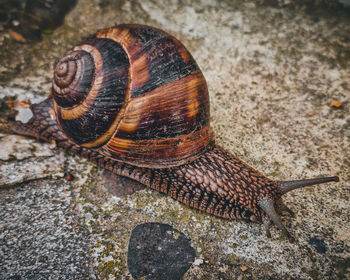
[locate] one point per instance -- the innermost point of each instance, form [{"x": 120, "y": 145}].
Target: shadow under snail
[{"x": 131, "y": 99}]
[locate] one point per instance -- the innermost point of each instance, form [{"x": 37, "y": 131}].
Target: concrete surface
[{"x": 273, "y": 69}]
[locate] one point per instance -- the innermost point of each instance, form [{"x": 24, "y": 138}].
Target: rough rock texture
[
  {"x": 273, "y": 69},
  {"x": 38, "y": 235}
]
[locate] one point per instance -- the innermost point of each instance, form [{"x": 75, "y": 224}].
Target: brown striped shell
[{"x": 135, "y": 94}]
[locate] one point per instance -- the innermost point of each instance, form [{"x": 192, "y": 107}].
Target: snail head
[{"x": 272, "y": 208}]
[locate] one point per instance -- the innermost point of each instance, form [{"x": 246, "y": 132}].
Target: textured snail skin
[
  {"x": 156, "y": 130},
  {"x": 216, "y": 182}
]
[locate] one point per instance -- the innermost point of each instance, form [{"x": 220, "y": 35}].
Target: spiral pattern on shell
[
  {"x": 69, "y": 78},
  {"x": 135, "y": 93}
]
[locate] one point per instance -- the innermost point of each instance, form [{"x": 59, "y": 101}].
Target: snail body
[{"x": 132, "y": 99}]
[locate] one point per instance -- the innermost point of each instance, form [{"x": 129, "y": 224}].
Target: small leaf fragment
[
  {"x": 47, "y": 31},
  {"x": 336, "y": 104},
  {"x": 17, "y": 36}
]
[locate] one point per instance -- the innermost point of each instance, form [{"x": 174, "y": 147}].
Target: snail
[{"x": 132, "y": 99}]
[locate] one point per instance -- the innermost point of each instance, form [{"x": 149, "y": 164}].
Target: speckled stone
[{"x": 40, "y": 236}]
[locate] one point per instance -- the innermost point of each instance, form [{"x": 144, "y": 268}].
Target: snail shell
[{"x": 136, "y": 94}]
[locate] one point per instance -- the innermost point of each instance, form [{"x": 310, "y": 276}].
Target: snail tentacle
[
  {"x": 287, "y": 186},
  {"x": 267, "y": 204},
  {"x": 267, "y": 224}
]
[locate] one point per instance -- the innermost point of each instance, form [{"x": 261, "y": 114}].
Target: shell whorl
[
  {"x": 90, "y": 88},
  {"x": 72, "y": 78},
  {"x": 147, "y": 102}
]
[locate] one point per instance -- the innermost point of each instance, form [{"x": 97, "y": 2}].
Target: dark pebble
[{"x": 158, "y": 251}]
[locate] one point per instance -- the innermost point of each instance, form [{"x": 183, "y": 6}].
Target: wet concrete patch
[{"x": 118, "y": 185}]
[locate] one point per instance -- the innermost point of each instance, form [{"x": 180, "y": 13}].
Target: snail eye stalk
[
  {"x": 287, "y": 186},
  {"x": 267, "y": 205}
]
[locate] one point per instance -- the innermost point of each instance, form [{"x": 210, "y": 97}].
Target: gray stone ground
[
  {"x": 38, "y": 236},
  {"x": 272, "y": 68}
]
